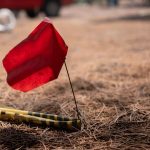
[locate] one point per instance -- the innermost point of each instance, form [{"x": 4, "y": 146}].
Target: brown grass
[{"x": 110, "y": 69}]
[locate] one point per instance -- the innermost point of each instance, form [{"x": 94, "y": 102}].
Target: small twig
[{"x": 45, "y": 148}]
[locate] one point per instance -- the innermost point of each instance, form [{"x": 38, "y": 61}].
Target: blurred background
[
  {"x": 57, "y": 8},
  {"x": 53, "y": 8}
]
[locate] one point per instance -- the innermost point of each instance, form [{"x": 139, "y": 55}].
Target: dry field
[{"x": 109, "y": 63}]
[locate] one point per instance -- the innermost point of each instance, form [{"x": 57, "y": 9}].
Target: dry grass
[{"x": 110, "y": 68}]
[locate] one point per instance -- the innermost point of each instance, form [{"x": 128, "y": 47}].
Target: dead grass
[{"x": 110, "y": 69}]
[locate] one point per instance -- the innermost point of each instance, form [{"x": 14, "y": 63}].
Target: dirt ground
[{"x": 109, "y": 63}]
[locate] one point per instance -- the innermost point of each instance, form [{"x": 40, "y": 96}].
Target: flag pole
[{"x": 77, "y": 110}]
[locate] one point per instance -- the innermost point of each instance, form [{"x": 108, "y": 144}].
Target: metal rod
[{"x": 78, "y": 113}]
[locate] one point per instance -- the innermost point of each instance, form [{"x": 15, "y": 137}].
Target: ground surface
[{"x": 109, "y": 63}]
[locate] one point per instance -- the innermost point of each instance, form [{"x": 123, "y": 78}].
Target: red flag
[{"x": 37, "y": 59}]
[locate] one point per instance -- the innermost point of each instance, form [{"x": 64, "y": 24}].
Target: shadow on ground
[
  {"x": 136, "y": 17},
  {"x": 131, "y": 134},
  {"x": 11, "y": 139}
]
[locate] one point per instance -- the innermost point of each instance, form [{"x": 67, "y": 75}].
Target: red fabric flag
[{"x": 37, "y": 59}]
